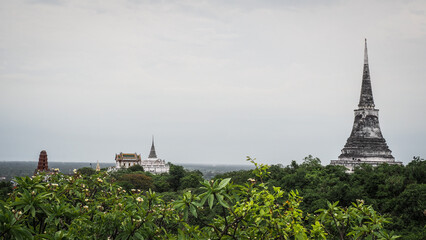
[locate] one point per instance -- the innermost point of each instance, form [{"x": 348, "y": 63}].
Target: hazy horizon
[
  {"x": 213, "y": 81},
  {"x": 113, "y": 163}
]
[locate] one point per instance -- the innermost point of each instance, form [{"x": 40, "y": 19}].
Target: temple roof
[
  {"x": 366, "y": 99},
  {"x": 128, "y": 157}
]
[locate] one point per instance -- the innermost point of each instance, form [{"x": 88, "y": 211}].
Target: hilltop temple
[
  {"x": 153, "y": 164},
  {"x": 366, "y": 143}
]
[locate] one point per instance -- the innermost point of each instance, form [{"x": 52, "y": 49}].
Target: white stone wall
[
  {"x": 351, "y": 164},
  {"x": 155, "y": 166}
]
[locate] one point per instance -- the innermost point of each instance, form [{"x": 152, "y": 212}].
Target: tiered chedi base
[{"x": 366, "y": 143}]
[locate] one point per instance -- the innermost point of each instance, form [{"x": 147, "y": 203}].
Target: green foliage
[
  {"x": 176, "y": 173},
  {"x": 136, "y": 168},
  {"x": 191, "y": 180},
  {"x": 358, "y": 221},
  {"x": 273, "y": 202},
  {"x": 417, "y": 170},
  {"x": 87, "y": 171},
  {"x": 5, "y": 189},
  {"x": 394, "y": 190},
  {"x": 136, "y": 181},
  {"x": 161, "y": 183},
  {"x": 11, "y": 224},
  {"x": 178, "y": 179},
  {"x": 238, "y": 177}
]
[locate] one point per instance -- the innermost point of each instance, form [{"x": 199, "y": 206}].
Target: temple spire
[
  {"x": 152, "y": 154},
  {"x": 366, "y": 99},
  {"x": 366, "y": 144},
  {"x": 365, "y": 53},
  {"x": 98, "y": 167}
]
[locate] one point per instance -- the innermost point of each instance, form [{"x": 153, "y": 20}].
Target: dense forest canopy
[{"x": 299, "y": 201}]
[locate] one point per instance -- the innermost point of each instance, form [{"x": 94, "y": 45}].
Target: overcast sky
[{"x": 213, "y": 81}]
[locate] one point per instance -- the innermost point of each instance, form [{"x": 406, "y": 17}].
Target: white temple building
[
  {"x": 126, "y": 160},
  {"x": 152, "y": 164}
]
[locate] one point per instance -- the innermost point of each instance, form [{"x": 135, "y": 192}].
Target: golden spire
[{"x": 98, "y": 168}]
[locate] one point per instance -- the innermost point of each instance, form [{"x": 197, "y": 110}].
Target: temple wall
[{"x": 368, "y": 159}]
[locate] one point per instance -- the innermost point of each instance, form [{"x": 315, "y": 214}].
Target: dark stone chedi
[
  {"x": 152, "y": 153},
  {"x": 366, "y": 143},
  {"x": 42, "y": 163}
]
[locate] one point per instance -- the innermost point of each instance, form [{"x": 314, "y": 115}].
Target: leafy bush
[
  {"x": 136, "y": 168},
  {"x": 95, "y": 207}
]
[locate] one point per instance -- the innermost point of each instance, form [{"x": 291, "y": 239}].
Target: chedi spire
[
  {"x": 98, "y": 167},
  {"x": 152, "y": 153},
  {"x": 366, "y": 98}
]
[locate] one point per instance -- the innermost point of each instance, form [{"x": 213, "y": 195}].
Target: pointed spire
[
  {"x": 365, "y": 53},
  {"x": 98, "y": 167},
  {"x": 366, "y": 99},
  {"x": 152, "y": 154}
]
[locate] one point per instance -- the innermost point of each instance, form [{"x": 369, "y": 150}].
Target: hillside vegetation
[{"x": 306, "y": 201}]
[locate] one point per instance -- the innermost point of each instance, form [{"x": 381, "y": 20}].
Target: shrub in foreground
[{"x": 93, "y": 207}]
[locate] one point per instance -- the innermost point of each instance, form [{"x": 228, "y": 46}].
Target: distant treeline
[{"x": 11, "y": 169}]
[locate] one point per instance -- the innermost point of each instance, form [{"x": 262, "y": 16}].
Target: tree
[
  {"x": 238, "y": 177},
  {"x": 417, "y": 170},
  {"x": 358, "y": 221},
  {"x": 5, "y": 189},
  {"x": 160, "y": 182},
  {"x": 87, "y": 171},
  {"x": 175, "y": 174},
  {"x": 191, "y": 180},
  {"x": 311, "y": 161},
  {"x": 136, "y": 181},
  {"x": 136, "y": 168}
]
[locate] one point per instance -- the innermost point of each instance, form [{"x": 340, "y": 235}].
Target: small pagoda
[
  {"x": 366, "y": 143},
  {"x": 42, "y": 163}
]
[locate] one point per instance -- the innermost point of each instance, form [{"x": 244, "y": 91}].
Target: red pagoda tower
[{"x": 42, "y": 163}]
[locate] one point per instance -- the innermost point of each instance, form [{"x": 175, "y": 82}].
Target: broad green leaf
[
  {"x": 193, "y": 210},
  {"x": 32, "y": 211},
  {"x": 139, "y": 236},
  {"x": 204, "y": 196},
  {"x": 223, "y": 183},
  {"x": 178, "y": 205},
  {"x": 220, "y": 200},
  {"x": 211, "y": 200}
]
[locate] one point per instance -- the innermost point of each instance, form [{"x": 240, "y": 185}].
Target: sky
[{"x": 212, "y": 81}]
